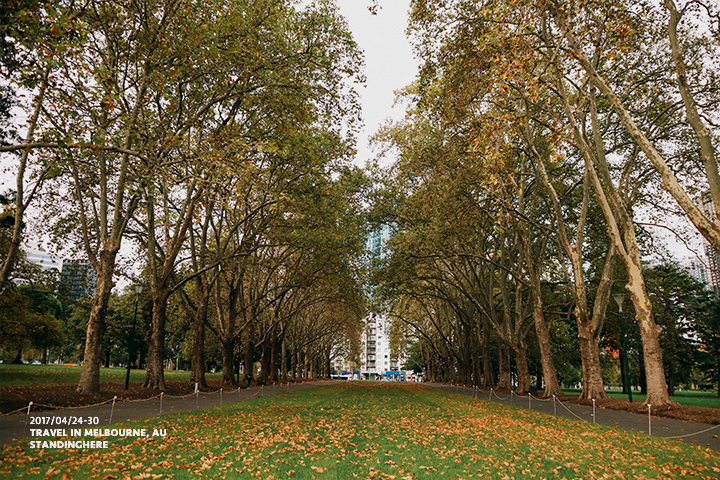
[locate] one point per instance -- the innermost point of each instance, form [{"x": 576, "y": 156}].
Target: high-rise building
[
  {"x": 696, "y": 269},
  {"x": 78, "y": 278},
  {"x": 377, "y": 357},
  {"x": 43, "y": 259},
  {"x": 713, "y": 259}
]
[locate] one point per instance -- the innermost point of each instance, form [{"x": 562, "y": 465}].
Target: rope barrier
[
  {"x": 573, "y": 413},
  {"x": 540, "y": 399},
  {"x": 492, "y": 392},
  {"x": 14, "y": 411},
  {"x": 556, "y": 400},
  {"x": 692, "y": 434}
]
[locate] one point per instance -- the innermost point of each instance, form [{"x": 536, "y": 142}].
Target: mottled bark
[
  {"x": 90, "y": 373},
  {"x": 592, "y": 383}
]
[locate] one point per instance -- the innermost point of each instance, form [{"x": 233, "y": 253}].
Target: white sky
[{"x": 389, "y": 62}]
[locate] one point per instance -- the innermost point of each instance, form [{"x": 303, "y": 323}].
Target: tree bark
[
  {"x": 523, "y": 372},
  {"x": 198, "y": 356},
  {"x": 155, "y": 377},
  {"x": 228, "y": 364},
  {"x": 505, "y": 382},
  {"x": 488, "y": 378},
  {"x": 283, "y": 361},
  {"x": 90, "y": 374}
]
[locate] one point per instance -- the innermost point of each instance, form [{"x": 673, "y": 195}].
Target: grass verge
[
  {"x": 371, "y": 431},
  {"x": 42, "y": 375},
  {"x": 689, "y": 398}
]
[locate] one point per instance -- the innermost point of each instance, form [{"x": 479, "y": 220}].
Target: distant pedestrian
[{"x": 249, "y": 378}]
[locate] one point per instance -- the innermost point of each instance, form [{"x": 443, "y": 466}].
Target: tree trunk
[
  {"x": 283, "y": 361},
  {"x": 228, "y": 364},
  {"x": 265, "y": 362},
  {"x": 552, "y": 386},
  {"x": 198, "y": 353},
  {"x": 488, "y": 378},
  {"x": 592, "y": 382},
  {"x": 155, "y": 377},
  {"x": 657, "y": 393},
  {"x": 273, "y": 359},
  {"x": 90, "y": 373},
  {"x": 504, "y": 382},
  {"x": 523, "y": 372},
  {"x": 248, "y": 350}
]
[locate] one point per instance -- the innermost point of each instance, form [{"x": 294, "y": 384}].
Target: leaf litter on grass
[{"x": 370, "y": 430}]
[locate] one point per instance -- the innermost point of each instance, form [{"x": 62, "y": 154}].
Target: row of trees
[
  {"x": 530, "y": 164},
  {"x": 212, "y": 140}
]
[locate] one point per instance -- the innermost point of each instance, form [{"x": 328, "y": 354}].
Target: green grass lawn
[
  {"x": 37, "y": 375},
  {"x": 694, "y": 398},
  {"x": 371, "y": 431}
]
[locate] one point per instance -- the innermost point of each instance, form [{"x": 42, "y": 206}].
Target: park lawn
[
  {"x": 695, "y": 399},
  {"x": 369, "y": 430},
  {"x": 690, "y": 398},
  {"x": 40, "y": 375}
]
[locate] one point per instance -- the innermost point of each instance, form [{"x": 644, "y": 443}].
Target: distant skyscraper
[
  {"x": 79, "y": 278},
  {"x": 377, "y": 357},
  {"x": 43, "y": 259},
  {"x": 712, "y": 255},
  {"x": 696, "y": 269}
]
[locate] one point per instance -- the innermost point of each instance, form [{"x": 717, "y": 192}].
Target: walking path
[
  {"x": 699, "y": 434},
  {"x": 17, "y": 426}
]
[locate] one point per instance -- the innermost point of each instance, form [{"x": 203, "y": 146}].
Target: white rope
[
  {"x": 541, "y": 399},
  {"x": 14, "y": 411},
  {"x": 692, "y": 434},
  {"x": 73, "y": 408},
  {"x": 566, "y": 408},
  {"x": 492, "y": 392}
]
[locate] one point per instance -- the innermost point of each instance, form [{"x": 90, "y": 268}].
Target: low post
[
  {"x": 554, "y": 406},
  {"x": 491, "y": 392},
  {"x": 112, "y": 410},
  {"x": 649, "y": 420},
  {"x": 196, "y": 399},
  {"x": 221, "y": 396},
  {"x": 593, "y": 410},
  {"x": 161, "y": 399},
  {"x": 27, "y": 417},
  {"x": 529, "y": 397}
]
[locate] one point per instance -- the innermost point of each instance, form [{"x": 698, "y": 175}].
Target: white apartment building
[{"x": 377, "y": 360}]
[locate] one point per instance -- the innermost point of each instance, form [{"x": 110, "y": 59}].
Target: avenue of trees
[
  {"x": 201, "y": 149},
  {"x": 542, "y": 139},
  {"x": 210, "y": 139}
]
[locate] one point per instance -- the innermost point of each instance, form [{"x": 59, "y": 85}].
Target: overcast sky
[{"x": 389, "y": 61}]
